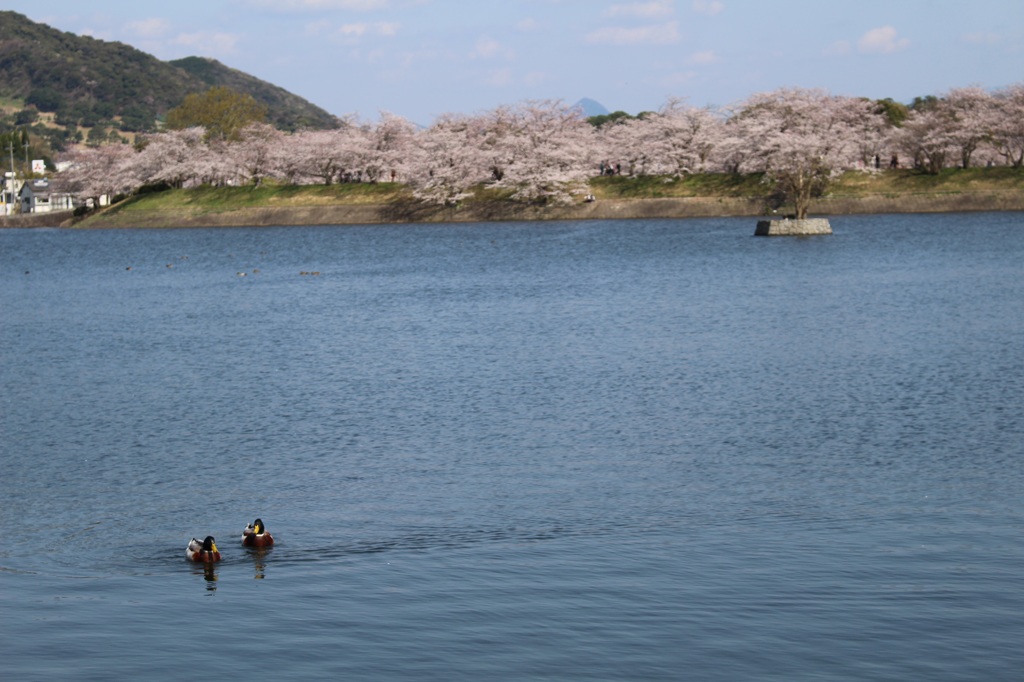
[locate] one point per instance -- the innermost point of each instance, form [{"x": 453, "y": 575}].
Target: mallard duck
[
  {"x": 256, "y": 535},
  {"x": 205, "y": 551}
]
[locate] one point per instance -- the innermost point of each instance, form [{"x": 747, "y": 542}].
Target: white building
[
  {"x": 9, "y": 194},
  {"x": 38, "y": 197}
]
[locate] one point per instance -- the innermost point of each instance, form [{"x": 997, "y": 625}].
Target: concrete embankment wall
[
  {"x": 55, "y": 219},
  {"x": 808, "y": 226},
  {"x": 417, "y": 213},
  {"x": 996, "y": 200},
  {"x": 608, "y": 209}
]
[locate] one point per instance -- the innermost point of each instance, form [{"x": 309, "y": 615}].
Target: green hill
[
  {"x": 80, "y": 82},
  {"x": 286, "y": 111}
]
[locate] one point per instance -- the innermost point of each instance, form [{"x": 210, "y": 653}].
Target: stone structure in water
[{"x": 787, "y": 227}]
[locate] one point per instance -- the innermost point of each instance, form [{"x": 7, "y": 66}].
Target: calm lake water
[{"x": 623, "y": 450}]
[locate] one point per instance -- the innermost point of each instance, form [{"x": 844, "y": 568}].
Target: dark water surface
[{"x": 571, "y": 451}]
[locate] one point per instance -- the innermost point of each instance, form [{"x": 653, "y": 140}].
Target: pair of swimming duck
[{"x": 205, "y": 551}]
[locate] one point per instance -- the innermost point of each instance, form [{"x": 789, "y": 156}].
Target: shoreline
[{"x": 401, "y": 212}]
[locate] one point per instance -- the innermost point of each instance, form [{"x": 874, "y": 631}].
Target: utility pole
[
  {"x": 27, "y": 168},
  {"x": 10, "y": 179}
]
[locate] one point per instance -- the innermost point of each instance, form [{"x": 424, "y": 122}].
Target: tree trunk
[
  {"x": 801, "y": 204},
  {"x": 799, "y": 191}
]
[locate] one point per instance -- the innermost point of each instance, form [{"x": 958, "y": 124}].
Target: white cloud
[
  {"x": 983, "y": 38},
  {"x": 708, "y": 7},
  {"x": 293, "y": 5},
  {"x": 316, "y": 28},
  {"x": 486, "y": 48},
  {"x": 655, "y": 9},
  {"x": 499, "y": 78},
  {"x": 705, "y": 57},
  {"x": 660, "y": 34},
  {"x": 379, "y": 56},
  {"x": 840, "y": 47},
  {"x": 353, "y": 30},
  {"x": 505, "y": 77},
  {"x": 148, "y": 28},
  {"x": 361, "y": 29},
  {"x": 535, "y": 78},
  {"x": 882, "y": 40},
  {"x": 678, "y": 79}
]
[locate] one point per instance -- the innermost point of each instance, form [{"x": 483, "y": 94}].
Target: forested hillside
[
  {"x": 76, "y": 82},
  {"x": 286, "y": 111}
]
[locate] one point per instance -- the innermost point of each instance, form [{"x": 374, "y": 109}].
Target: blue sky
[{"x": 423, "y": 58}]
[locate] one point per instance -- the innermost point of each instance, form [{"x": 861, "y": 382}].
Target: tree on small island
[{"x": 802, "y": 140}]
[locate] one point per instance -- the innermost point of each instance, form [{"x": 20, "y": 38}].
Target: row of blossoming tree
[{"x": 548, "y": 152}]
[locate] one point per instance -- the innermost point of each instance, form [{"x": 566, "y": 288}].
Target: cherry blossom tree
[
  {"x": 174, "y": 157},
  {"x": 449, "y": 160},
  {"x": 938, "y": 130},
  {"x": 313, "y": 155},
  {"x": 677, "y": 140},
  {"x": 802, "y": 139},
  {"x": 96, "y": 172},
  {"x": 620, "y": 145},
  {"x": 545, "y": 152},
  {"x": 217, "y": 164},
  {"x": 256, "y": 154},
  {"x": 927, "y": 137},
  {"x": 1007, "y": 128},
  {"x": 542, "y": 150},
  {"x": 733, "y": 153},
  {"x": 499, "y": 127},
  {"x": 382, "y": 149},
  {"x": 972, "y": 113},
  {"x": 874, "y": 141}
]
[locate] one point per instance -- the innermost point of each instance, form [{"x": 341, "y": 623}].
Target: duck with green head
[
  {"x": 256, "y": 535},
  {"x": 205, "y": 551}
]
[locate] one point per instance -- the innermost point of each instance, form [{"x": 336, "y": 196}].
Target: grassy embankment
[{"x": 622, "y": 197}]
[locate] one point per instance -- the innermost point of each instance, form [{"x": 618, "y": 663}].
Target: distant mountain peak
[{"x": 591, "y": 107}]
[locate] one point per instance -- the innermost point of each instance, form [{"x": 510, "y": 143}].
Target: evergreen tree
[{"x": 222, "y": 111}]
